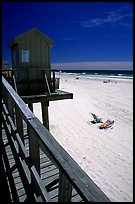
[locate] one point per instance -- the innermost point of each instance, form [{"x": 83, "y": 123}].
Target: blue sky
[{"x": 88, "y": 35}]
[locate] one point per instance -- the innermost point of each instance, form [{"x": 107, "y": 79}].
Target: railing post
[
  {"x": 54, "y": 80},
  {"x": 19, "y": 123},
  {"x": 65, "y": 189},
  {"x": 45, "y": 114},
  {"x": 34, "y": 149}
]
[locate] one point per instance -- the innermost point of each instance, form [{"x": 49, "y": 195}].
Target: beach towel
[
  {"x": 97, "y": 119},
  {"x": 106, "y": 124}
]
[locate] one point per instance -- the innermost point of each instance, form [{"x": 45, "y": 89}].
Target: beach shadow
[{"x": 93, "y": 122}]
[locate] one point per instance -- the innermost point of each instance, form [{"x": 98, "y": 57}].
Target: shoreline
[{"x": 97, "y": 77}]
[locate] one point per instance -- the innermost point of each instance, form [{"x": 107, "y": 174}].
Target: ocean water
[{"x": 122, "y": 74}]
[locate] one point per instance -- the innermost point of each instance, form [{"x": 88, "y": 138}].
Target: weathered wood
[
  {"x": 17, "y": 164},
  {"x": 16, "y": 136},
  {"x": 34, "y": 149},
  {"x": 54, "y": 81},
  {"x": 57, "y": 95},
  {"x": 8, "y": 90},
  {"x": 39, "y": 184},
  {"x": 47, "y": 84},
  {"x": 10, "y": 178},
  {"x": 50, "y": 174},
  {"x": 54, "y": 195},
  {"x": 14, "y": 83},
  {"x": 65, "y": 189},
  {"x": 19, "y": 123},
  {"x": 45, "y": 114},
  {"x": 5, "y": 113},
  {"x": 48, "y": 168},
  {"x": 35, "y": 79}
]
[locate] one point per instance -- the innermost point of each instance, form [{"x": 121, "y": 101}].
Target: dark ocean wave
[{"x": 107, "y": 73}]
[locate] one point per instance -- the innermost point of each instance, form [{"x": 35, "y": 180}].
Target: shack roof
[{"x": 15, "y": 40}]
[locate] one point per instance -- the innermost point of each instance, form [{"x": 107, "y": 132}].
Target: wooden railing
[
  {"x": 15, "y": 114},
  {"x": 29, "y": 78}
]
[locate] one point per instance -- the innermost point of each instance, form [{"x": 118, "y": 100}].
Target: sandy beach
[{"x": 105, "y": 155}]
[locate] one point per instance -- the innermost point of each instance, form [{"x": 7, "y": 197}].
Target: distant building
[{"x": 5, "y": 65}]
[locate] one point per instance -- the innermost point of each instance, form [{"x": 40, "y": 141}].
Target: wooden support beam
[
  {"x": 34, "y": 149},
  {"x": 46, "y": 81},
  {"x": 58, "y": 95},
  {"x": 45, "y": 114},
  {"x": 53, "y": 80},
  {"x": 14, "y": 84},
  {"x": 65, "y": 189}
]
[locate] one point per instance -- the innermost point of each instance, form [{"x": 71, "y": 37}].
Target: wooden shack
[
  {"x": 30, "y": 53},
  {"x": 34, "y": 80}
]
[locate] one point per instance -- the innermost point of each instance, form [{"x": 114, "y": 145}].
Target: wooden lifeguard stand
[{"x": 34, "y": 79}]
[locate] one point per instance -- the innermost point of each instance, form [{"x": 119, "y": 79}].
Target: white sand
[{"x": 106, "y": 156}]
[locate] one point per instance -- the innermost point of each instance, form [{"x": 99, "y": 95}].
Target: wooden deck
[
  {"x": 35, "y": 168},
  {"x": 15, "y": 188}
]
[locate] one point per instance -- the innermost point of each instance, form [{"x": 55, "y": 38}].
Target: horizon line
[{"x": 104, "y": 65}]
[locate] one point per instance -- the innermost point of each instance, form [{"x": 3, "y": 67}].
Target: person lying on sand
[{"x": 106, "y": 124}]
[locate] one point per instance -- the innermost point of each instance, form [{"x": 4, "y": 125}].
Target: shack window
[{"x": 25, "y": 55}]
